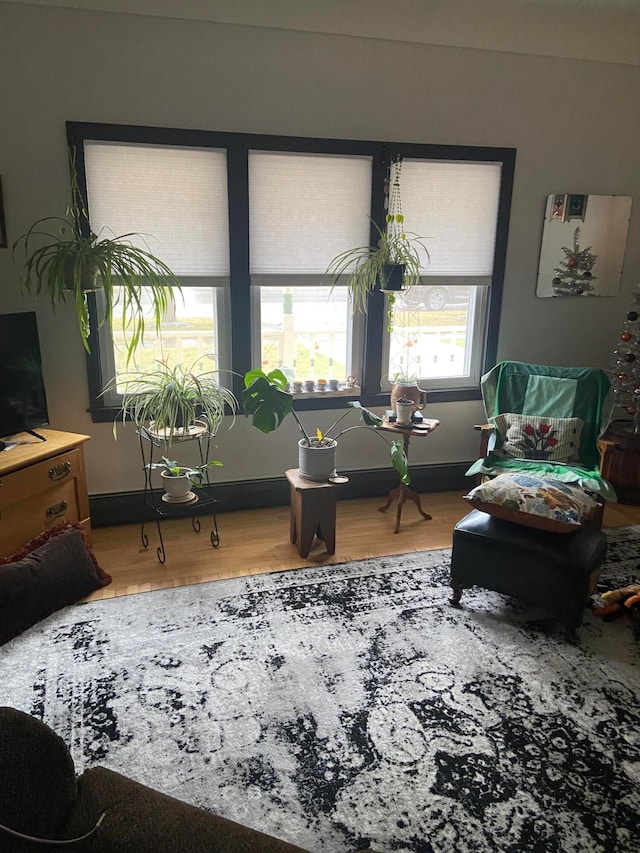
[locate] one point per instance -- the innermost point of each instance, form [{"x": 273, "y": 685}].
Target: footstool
[
  {"x": 313, "y": 512},
  {"x": 555, "y": 571}
]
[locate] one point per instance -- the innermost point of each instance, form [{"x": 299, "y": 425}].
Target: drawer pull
[
  {"x": 57, "y": 510},
  {"x": 59, "y": 472}
]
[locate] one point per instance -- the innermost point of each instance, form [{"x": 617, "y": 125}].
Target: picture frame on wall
[{"x": 3, "y": 227}]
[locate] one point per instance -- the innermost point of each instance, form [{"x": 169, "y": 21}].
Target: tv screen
[{"x": 23, "y": 402}]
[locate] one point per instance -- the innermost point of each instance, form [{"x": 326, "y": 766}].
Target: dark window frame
[{"x": 237, "y": 146}]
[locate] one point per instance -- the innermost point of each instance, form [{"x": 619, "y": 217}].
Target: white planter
[
  {"x": 404, "y": 411},
  {"x": 408, "y": 392},
  {"x": 317, "y": 463},
  {"x": 177, "y": 488}
]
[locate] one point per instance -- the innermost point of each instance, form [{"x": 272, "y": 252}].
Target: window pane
[
  {"x": 432, "y": 335},
  {"x": 304, "y": 332},
  {"x": 304, "y": 209},
  {"x": 174, "y": 198},
  {"x": 188, "y": 335},
  {"x": 453, "y": 206}
]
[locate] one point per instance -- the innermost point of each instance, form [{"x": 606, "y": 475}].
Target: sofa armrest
[{"x": 139, "y": 819}]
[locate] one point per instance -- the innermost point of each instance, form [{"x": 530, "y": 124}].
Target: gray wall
[{"x": 575, "y": 125}]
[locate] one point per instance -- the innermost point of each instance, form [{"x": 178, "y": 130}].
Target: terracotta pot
[{"x": 409, "y": 392}]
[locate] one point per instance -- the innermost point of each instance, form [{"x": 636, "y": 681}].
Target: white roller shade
[
  {"x": 305, "y": 209},
  {"x": 453, "y": 206},
  {"x": 176, "y": 198}
]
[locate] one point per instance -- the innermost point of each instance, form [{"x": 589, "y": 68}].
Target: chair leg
[{"x": 457, "y": 587}]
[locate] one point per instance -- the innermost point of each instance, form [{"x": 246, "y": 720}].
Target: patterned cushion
[
  {"x": 535, "y": 502},
  {"x": 532, "y": 437}
]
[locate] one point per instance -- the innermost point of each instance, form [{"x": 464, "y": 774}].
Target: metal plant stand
[{"x": 201, "y": 504}]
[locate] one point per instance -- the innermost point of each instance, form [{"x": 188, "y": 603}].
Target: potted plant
[
  {"x": 406, "y": 386},
  {"x": 172, "y": 403},
  {"x": 178, "y": 480},
  {"x": 394, "y": 263},
  {"x": 64, "y": 257},
  {"x": 267, "y": 403}
]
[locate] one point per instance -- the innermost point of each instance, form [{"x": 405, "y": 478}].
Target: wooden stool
[{"x": 313, "y": 512}]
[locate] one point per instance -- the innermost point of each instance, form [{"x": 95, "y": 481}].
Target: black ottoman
[{"x": 555, "y": 571}]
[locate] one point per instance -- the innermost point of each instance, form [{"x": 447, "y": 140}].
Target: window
[
  {"x": 453, "y": 206},
  {"x": 249, "y": 225},
  {"x": 303, "y": 210}
]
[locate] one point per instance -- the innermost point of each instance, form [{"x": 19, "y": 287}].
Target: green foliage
[
  {"x": 69, "y": 264},
  {"x": 173, "y": 469},
  {"x": 399, "y": 461},
  {"x": 172, "y": 398},
  {"x": 266, "y": 402},
  {"x": 365, "y": 267}
]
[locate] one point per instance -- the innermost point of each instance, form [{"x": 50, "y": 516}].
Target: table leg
[
  {"x": 403, "y": 493},
  {"x": 293, "y": 512}
]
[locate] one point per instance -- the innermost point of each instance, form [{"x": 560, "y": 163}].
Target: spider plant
[
  {"x": 168, "y": 400},
  {"x": 368, "y": 267},
  {"x": 64, "y": 257}
]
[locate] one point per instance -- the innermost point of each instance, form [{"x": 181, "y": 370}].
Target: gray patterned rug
[{"x": 349, "y": 706}]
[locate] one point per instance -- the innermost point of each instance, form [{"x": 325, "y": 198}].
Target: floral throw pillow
[
  {"x": 545, "y": 439},
  {"x": 535, "y": 502}
]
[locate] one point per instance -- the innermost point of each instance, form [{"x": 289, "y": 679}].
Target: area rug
[{"x": 349, "y": 706}]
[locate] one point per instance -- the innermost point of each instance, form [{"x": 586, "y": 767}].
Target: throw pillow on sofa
[{"x": 53, "y": 570}]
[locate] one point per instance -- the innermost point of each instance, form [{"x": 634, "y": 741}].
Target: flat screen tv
[{"x": 23, "y": 402}]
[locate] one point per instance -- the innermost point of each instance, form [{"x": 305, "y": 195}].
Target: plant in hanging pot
[
  {"x": 267, "y": 403},
  {"x": 178, "y": 480},
  {"x": 65, "y": 258},
  {"x": 394, "y": 263},
  {"x": 173, "y": 402}
]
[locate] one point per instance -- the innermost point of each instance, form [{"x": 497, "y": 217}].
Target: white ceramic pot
[
  {"x": 404, "y": 411},
  {"x": 176, "y": 487},
  {"x": 317, "y": 462}
]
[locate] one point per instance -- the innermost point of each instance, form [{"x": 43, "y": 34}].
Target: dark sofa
[{"x": 41, "y": 796}]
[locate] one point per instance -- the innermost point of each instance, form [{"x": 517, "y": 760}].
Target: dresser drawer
[
  {"x": 40, "y": 477},
  {"x": 26, "y": 519}
]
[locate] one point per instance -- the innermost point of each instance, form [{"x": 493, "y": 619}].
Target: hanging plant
[
  {"x": 58, "y": 257},
  {"x": 395, "y": 263}
]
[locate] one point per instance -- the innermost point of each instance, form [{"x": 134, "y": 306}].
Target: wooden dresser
[{"x": 41, "y": 483}]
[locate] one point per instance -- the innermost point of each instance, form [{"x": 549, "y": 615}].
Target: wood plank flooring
[{"x": 257, "y": 541}]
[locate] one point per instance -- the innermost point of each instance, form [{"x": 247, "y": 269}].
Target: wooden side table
[
  {"x": 403, "y": 492},
  {"x": 313, "y": 512},
  {"x": 620, "y": 461}
]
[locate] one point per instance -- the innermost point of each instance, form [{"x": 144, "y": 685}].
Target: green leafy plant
[
  {"x": 368, "y": 267},
  {"x": 171, "y": 468},
  {"x": 267, "y": 404},
  {"x": 62, "y": 256},
  {"x": 169, "y": 399}
]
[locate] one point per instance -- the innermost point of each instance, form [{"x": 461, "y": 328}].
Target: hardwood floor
[{"x": 257, "y": 541}]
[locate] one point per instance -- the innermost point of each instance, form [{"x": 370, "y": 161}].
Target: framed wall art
[{"x": 583, "y": 244}]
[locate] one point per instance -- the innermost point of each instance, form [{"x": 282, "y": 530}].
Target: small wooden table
[
  {"x": 403, "y": 492},
  {"x": 620, "y": 461},
  {"x": 313, "y": 512}
]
